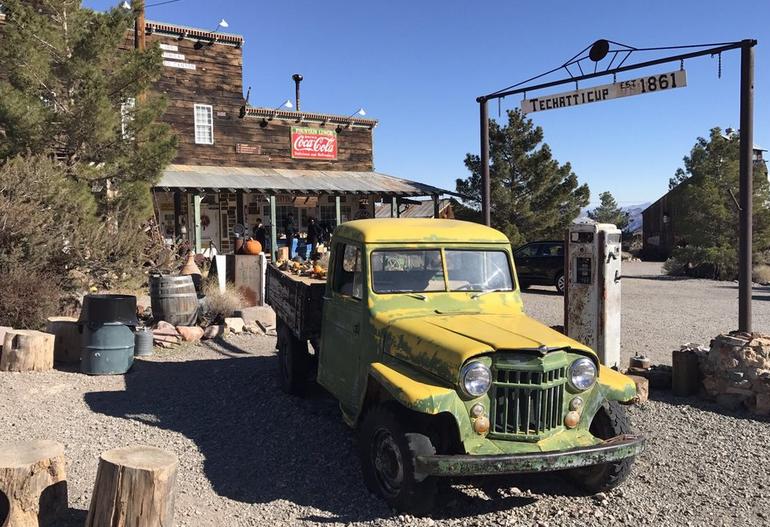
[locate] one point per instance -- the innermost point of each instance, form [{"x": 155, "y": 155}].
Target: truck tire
[
  {"x": 387, "y": 453},
  {"x": 610, "y": 421},
  {"x": 294, "y": 361}
]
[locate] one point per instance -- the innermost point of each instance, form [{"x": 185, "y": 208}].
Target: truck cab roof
[{"x": 418, "y": 230}]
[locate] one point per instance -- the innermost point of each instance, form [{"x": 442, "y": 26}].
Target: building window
[
  {"x": 204, "y": 124},
  {"x": 126, "y": 116}
]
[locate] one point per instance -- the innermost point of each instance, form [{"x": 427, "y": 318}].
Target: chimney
[{"x": 297, "y": 79}]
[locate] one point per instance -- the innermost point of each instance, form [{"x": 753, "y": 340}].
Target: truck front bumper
[{"x": 617, "y": 448}]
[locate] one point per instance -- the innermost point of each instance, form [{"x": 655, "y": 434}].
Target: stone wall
[{"x": 736, "y": 371}]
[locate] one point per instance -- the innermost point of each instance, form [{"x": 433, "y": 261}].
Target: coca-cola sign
[{"x": 313, "y": 143}]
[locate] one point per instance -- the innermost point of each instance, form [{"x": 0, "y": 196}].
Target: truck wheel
[
  {"x": 560, "y": 283},
  {"x": 294, "y": 362},
  {"x": 610, "y": 421},
  {"x": 387, "y": 458}
]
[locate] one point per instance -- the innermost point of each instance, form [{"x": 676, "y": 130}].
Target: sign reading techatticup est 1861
[
  {"x": 313, "y": 143},
  {"x": 605, "y": 92}
]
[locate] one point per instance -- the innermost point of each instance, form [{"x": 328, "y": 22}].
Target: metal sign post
[{"x": 596, "y": 53}]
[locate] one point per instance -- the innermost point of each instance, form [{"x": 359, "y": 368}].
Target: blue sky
[{"x": 417, "y": 66}]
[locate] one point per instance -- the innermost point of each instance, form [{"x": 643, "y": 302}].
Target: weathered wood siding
[{"x": 218, "y": 80}]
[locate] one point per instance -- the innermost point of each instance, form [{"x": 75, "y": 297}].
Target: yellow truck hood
[{"x": 441, "y": 344}]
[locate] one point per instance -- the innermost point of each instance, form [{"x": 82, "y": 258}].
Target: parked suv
[{"x": 541, "y": 263}]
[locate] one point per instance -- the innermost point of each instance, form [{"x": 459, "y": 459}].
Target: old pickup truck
[{"x": 420, "y": 334}]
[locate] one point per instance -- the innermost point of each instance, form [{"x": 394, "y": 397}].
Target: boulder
[
  {"x": 164, "y": 328},
  {"x": 234, "y": 324},
  {"x": 190, "y": 333},
  {"x": 264, "y": 315}
]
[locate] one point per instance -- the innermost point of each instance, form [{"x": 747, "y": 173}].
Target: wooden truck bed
[{"x": 296, "y": 300}]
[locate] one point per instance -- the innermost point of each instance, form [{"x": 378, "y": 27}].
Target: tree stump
[
  {"x": 34, "y": 483},
  {"x": 134, "y": 488},
  {"x": 67, "y": 340},
  {"x": 26, "y": 350}
]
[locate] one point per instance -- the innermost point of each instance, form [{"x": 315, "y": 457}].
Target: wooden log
[
  {"x": 134, "y": 487},
  {"x": 34, "y": 481},
  {"x": 27, "y": 350},
  {"x": 67, "y": 338}
]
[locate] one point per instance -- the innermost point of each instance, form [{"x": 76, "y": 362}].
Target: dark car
[{"x": 541, "y": 263}]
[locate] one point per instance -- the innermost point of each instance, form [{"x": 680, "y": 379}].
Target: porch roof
[{"x": 293, "y": 181}]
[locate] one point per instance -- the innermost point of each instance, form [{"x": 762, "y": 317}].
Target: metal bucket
[
  {"x": 142, "y": 343},
  {"x": 108, "y": 349},
  {"x": 173, "y": 299}
]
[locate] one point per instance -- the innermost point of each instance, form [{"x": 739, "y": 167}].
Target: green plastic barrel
[{"x": 107, "y": 349}]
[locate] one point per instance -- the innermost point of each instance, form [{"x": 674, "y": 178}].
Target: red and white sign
[{"x": 313, "y": 143}]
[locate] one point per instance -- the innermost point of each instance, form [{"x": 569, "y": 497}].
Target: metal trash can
[{"x": 142, "y": 342}]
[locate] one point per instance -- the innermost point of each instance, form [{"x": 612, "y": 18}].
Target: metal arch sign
[{"x": 605, "y": 92}]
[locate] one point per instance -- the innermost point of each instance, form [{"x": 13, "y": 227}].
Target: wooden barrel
[{"x": 173, "y": 299}]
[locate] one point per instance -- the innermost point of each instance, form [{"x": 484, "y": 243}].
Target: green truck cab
[{"x": 419, "y": 332}]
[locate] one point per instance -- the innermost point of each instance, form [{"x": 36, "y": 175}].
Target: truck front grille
[{"x": 526, "y": 405}]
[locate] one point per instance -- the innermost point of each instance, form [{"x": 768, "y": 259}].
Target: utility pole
[
  {"x": 486, "y": 207},
  {"x": 138, "y": 8},
  {"x": 746, "y": 168}
]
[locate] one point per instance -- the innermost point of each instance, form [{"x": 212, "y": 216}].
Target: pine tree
[
  {"x": 71, "y": 90},
  {"x": 706, "y": 221},
  {"x": 609, "y": 212},
  {"x": 532, "y": 195}
]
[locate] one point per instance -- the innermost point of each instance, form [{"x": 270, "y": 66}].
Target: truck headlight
[
  {"x": 475, "y": 379},
  {"x": 582, "y": 374}
]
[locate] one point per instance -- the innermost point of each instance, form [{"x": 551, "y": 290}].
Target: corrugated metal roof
[
  {"x": 419, "y": 210},
  {"x": 291, "y": 180}
]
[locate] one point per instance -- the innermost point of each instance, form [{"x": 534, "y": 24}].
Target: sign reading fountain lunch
[
  {"x": 313, "y": 143},
  {"x": 605, "y": 92}
]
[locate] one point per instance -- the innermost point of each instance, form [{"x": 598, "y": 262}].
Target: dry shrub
[
  {"x": 28, "y": 297},
  {"x": 761, "y": 274},
  {"x": 219, "y": 305}
]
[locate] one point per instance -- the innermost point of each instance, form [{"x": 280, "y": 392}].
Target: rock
[
  {"x": 190, "y": 333},
  {"x": 234, "y": 324},
  {"x": 212, "y": 332},
  {"x": 264, "y": 315},
  {"x": 730, "y": 401},
  {"x": 642, "y": 388},
  {"x": 762, "y": 406},
  {"x": 254, "y": 329},
  {"x": 164, "y": 328}
]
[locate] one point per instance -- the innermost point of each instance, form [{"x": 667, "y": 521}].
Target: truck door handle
[{"x": 617, "y": 276}]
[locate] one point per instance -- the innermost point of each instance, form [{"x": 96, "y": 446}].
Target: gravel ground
[
  {"x": 660, "y": 313},
  {"x": 250, "y": 455}
]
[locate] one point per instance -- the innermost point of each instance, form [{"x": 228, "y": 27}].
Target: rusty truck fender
[{"x": 418, "y": 392}]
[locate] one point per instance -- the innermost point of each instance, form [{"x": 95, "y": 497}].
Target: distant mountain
[{"x": 634, "y": 214}]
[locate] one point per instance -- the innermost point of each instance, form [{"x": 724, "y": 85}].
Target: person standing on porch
[
  {"x": 260, "y": 234},
  {"x": 314, "y": 235},
  {"x": 291, "y": 235}
]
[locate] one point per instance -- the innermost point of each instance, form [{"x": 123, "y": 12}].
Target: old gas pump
[{"x": 592, "y": 296}]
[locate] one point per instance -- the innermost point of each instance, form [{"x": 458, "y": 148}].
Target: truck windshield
[
  {"x": 478, "y": 270},
  {"x": 421, "y": 271},
  {"x": 408, "y": 271}
]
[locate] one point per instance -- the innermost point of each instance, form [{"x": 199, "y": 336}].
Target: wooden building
[
  {"x": 660, "y": 232},
  {"x": 237, "y": 163}
]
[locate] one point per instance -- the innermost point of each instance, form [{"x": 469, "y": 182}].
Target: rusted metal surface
[
  {"x": 291, "y": 180},
  {"x": 614, "y": 449}
]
